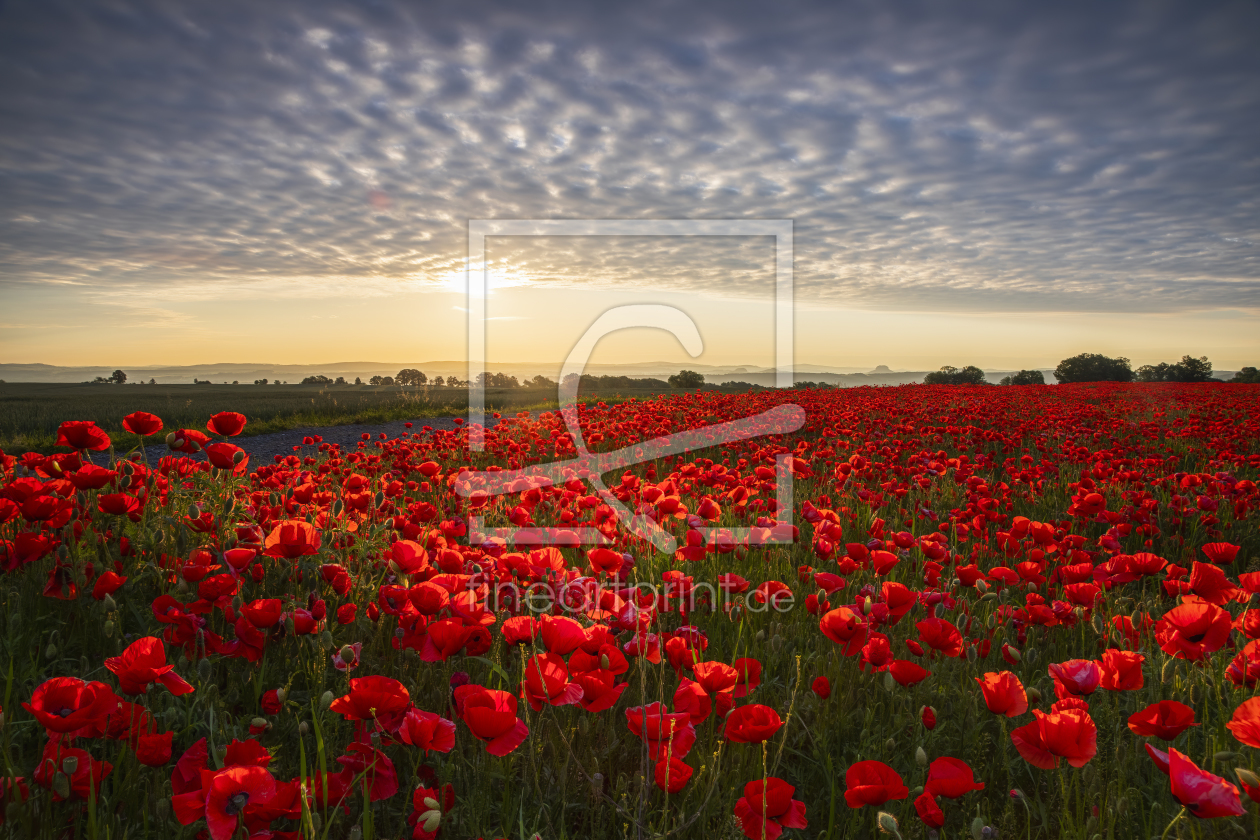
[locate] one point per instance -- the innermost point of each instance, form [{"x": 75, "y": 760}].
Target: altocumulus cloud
[{"x": 978, "y": 156}]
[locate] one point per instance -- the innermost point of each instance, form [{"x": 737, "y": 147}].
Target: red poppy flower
[
  {"x": 81, "y": 434},
  {"x": 844, "y": 627},
  {"x": 427, "y": 731},
  {"x": 872, "y": 783},
  {"x": 1210, "y": 584},
  {"x": 84, "y": 781},
  {"x": 263, "y": 613},
  {"x": 1192, "y": 631},
  {"x": 1164, "y": 720},
  {"x": 906, "y": 672},
  {"x": 444, "y": 638},
  {"x": 67, "y": 704},
  {"x": 822, "y": 687},
  {"x": 1245, "y": 722},
  {"x": 1204, "y": 794},
  {"x": 749, "y": 672},
  {"x": 752, "y": 724},
  {"x": 91, "y": 477},
  {"x": 1076, "y": 677},
  {"x": 373, "y": 768},
  {"x": 371, "y": 698},
  {"x": 1121, "y": 670},
  {"x": 292, "y": 538},
  {"x": 226, "y": 424},
  {"x": 665, "y": 733},
  {"x": 142, "y": 423},
  {"x": 929, "y": 812},
  {"x": 767, "y": 807},
  {"x": 951, "y": 778},
  {"x": 491, "y": 717},
  {"x": 230, "y": 792},
  {"x": 107, "y": 584},
  {"x": 547, "y": 682},
  {"x": 144, "y": 663},
  {"x": 223, "y": 455},
  {"x": 154, "y": 749},
  {"x": 1067, "y": 732},
  {"x": 560, "y": 634},
  {"x": 1003, "y": 693},
  {"x": 187, "y": 441},
  {"x": 939, "y": 634},
  {"x": 1222, "y": 553},
  {"x": 672, "y": 775},
  {"x": 600, "y": 691}
]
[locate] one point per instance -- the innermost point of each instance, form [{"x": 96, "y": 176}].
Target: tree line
[{"x": 1095, "y": 367}]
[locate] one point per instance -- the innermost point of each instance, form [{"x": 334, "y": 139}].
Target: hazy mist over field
[{"x": 290, "y": 182}]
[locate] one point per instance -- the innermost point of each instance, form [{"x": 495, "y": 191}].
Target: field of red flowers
[{"x": 1015, "y": 612}]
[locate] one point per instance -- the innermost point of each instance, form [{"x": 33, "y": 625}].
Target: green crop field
[{"x": 31, "y": 412}]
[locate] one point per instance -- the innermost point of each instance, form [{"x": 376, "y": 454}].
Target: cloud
[{"x": 1071, "y": 157}]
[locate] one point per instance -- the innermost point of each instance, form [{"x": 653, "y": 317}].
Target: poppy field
[{"x": 1012, "y": 612}]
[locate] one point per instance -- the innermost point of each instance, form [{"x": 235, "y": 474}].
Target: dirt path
[{"x": 262, "y": 449}]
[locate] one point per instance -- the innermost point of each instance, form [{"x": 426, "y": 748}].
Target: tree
[
  {"x": 317, "y": 379},
  {"x": 152, "y": 381},
  {"x": 540, "y": 381},
  {"x": 439, "y": 381},
  {"x": 950, "y": 375},
  {"x": 1093, "y": 367},
  {"x": 118, "y": 377},
  {"x": 410, "y": 376},
  {"x": 1189, "y": 369},
  {"x": 1025, "y": 377},
  {"x": 260, "y": 381},
  {"x": 376, "y": 380},
  {"x": 1247, "y": 375},
  {"x": 340, "y": 380},
  {"x": 686, "y": 379},
  {"x": 358, "y": 381}
]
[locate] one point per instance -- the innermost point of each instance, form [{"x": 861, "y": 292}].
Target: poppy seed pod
[
  {"x": 70, "y": 765},
  {"x": 347, "y": 654},
  {"x": 920, "y": 757},
  {"x": 238, "y": 456}
]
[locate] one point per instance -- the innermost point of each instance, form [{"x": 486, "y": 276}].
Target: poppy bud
[
  {"x": 1034, "y": 695},
  {"x": 326, "y": 638},
  {"x": 890, "y": 745},
  {"x": 1246, "y": 777},
  {"x": 259, "y": 724},
  {"x": 761, "y": 636},
  {"x": 379, "y": 498},
  {"x": 982, "y": 587},
  {"x": 928, "y": 715},
  {"x": 61, "y": 784},
  {"x": 1031, "y": 655},
  {"x": 338, "y": 507},
  {"x": 238, "y": 456},
  {"x": 890, "y": 684},
  {"x": 604, "y": 662},
  {"x": 162, "y": 809},
  {"x": 108, "y": 629},
  {"x": 920, "y": 756},
  {"x": 867, "y": 605},
  {"x": 280, "y": 695},
  {"x": 977, "y": 828},
  {"x": 971, "y": 653},
  {"x": 326, "y": 700},
  {"x": 304, "y": 728},
  {"x": 1223, "y": 755},
  {"x": 70, "y": 764},
  {"x": 431, "y": 820},
  {"x": 289, "y": 626},
  {"x": 777, "y": 643},
  {"x": 888, "y": 824},
  {"x": 50, "y": 652},
  {"x": 1122, "y": 806},
  {"x": 171, "y": 441},
  {"x": 109, "y": 603}
]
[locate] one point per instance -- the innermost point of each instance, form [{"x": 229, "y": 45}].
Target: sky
[{"x": 290, "y": 181}]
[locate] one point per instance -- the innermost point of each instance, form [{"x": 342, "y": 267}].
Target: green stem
[{"x": 1180, "y": 814}]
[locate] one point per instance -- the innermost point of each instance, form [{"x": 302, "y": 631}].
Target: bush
[
  {"x": 1093, "y": 367},
  {"x": 317, "y": 379},
  {"x": 950, "y": 375},
  {"x": 686, "y": 379}
]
